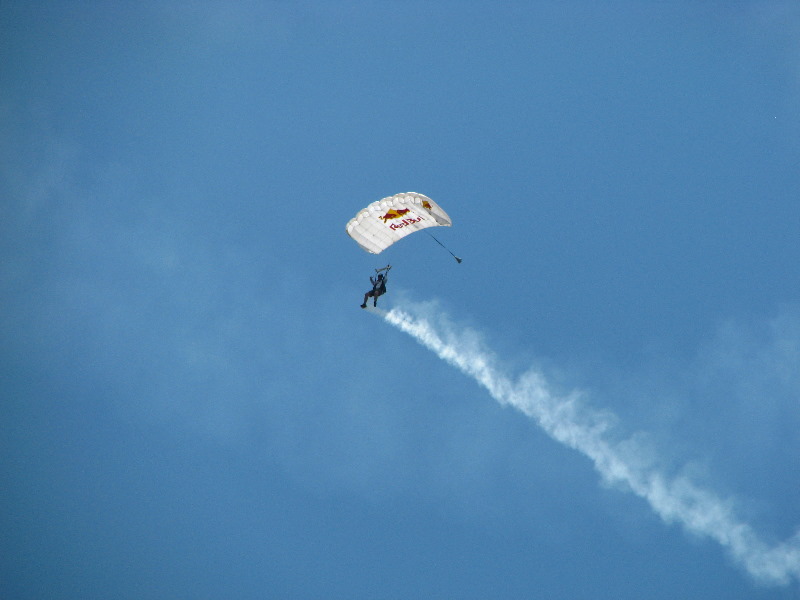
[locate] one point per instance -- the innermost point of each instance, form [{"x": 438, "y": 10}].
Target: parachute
[{"x": 386, "y": 221}]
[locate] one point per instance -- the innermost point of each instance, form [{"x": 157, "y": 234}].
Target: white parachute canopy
[{"x": 386, "y": 221}]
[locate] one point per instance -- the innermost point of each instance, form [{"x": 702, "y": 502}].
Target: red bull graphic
[
  {"x": 394, "y": 214},
  {"x": 426, "y": 204},
  {"x": 405, "y": 222}
]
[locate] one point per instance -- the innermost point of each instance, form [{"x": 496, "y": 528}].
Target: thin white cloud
[{"x": 569, "y": 421}]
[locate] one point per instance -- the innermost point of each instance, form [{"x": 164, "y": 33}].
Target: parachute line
[{"x": 443, "y": 246}]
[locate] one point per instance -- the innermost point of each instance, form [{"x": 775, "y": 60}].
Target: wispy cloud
[{"x": 568, "y": 420}]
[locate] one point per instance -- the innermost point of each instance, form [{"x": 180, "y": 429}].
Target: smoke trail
[{"x": 565, "y": 419}]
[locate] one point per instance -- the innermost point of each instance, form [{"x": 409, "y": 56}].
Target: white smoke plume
[{"x": 567, "y": 420}]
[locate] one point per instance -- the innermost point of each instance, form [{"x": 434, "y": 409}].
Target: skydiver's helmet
[{"x": 380, "y": 276}]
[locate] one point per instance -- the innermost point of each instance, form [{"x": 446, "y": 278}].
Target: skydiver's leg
[{"x": 367, "y": 295}]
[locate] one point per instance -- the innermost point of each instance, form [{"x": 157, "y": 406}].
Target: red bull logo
[
  {"x": 426, "y": 204},
  {"x": 394, "y": 214},
  {"x": 405, "y": 222}
]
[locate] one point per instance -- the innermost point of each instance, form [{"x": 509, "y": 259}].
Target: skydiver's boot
[{"x": 364, "y": 305}]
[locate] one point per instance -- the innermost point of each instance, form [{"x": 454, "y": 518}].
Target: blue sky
[{"x": 194, "y": 405}]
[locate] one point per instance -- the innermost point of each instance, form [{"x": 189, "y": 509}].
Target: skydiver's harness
[{"x": 379, "y": 284}]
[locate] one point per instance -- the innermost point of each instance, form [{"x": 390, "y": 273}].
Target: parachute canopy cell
[{"x": 386, "y": 221}]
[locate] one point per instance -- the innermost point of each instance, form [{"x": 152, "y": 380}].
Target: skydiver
[{"x": 378, "y": 289}]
